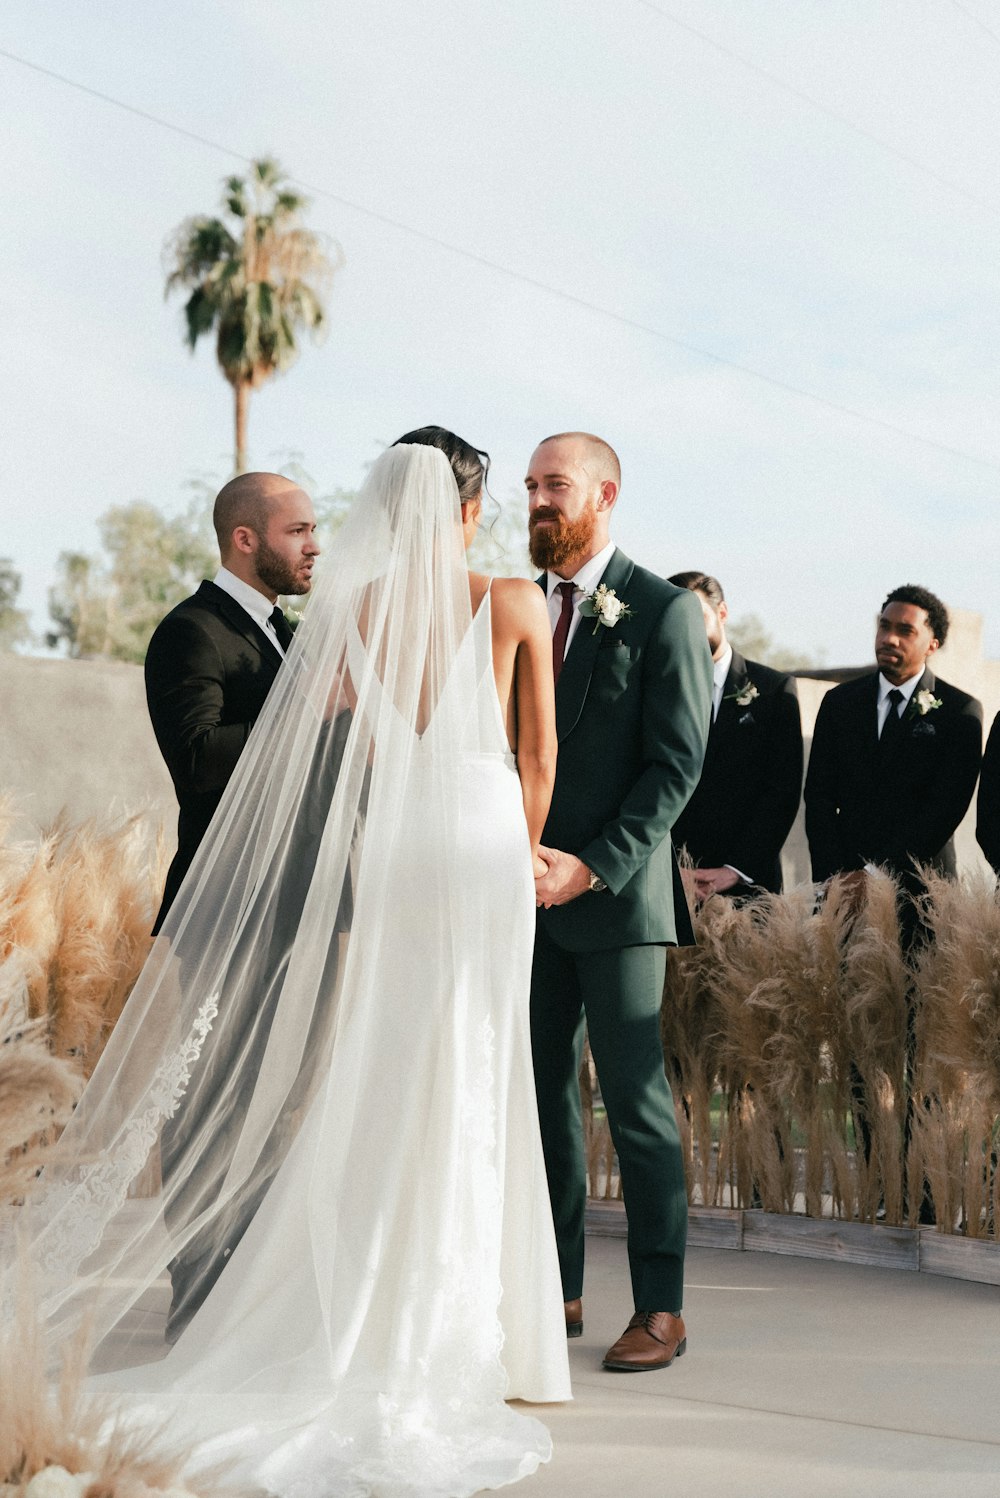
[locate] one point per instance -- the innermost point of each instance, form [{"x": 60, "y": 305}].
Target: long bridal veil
[{"x": 315, "y": 1114}]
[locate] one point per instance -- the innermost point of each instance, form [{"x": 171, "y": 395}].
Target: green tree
[
  {"x": 14, "y": 627},
  {"x": 257, "y": 277},
  {"x": 752, "y": 639},
  {"x": 154, "y": 562},
  {"x": 111, "y": 605},
  {"x": 78, "y": 607}
]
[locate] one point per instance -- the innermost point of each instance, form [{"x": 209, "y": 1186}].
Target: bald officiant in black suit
[
  {"x": 210, "y": 666},
  {"x": 213, "y": 659},
  {"x": 742, "y": 810}
]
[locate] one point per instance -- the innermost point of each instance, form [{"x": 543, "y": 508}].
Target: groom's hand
[{"x": 565, "y": 878}]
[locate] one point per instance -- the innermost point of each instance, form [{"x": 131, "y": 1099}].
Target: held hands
[
  {"x": 713, "y": 882},
  {"x": 559, "y": 877}
]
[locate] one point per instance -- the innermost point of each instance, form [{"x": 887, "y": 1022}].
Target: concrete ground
[{"x": 802, "y": 1379}]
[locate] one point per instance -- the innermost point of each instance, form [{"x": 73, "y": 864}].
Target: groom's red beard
[{"x": 555, "y": 545}]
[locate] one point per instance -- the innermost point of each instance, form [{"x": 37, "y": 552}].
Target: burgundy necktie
[{"x": 562, "y": 628}]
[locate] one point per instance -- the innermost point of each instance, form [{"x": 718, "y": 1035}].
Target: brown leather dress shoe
[
  {"x": 574, "y": 1317},
  {"x": 652, "y": 1339}
]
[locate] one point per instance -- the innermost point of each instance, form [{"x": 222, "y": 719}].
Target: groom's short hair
[{"x": 604, "y": 455}]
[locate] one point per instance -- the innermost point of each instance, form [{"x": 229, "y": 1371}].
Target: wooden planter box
[{"x": 920, "y": 1250}]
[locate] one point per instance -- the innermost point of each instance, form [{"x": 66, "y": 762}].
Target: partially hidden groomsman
[
  {"x": 633, "y": 698},
  {"x": 735, "y": 825},
  {"x": 893, "y": 766},
  {"x": 213, "y": 659}
]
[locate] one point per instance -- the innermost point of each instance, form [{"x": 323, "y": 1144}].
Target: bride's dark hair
[{"x": 468, "y": 464}]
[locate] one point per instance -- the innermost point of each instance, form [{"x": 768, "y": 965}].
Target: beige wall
[{"x": 76, "y": 736}]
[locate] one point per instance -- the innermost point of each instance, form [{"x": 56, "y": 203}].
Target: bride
[{"x": 317, "y": 1111}]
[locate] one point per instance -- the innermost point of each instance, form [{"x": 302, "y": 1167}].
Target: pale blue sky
[{"x": 809, "y": 189}]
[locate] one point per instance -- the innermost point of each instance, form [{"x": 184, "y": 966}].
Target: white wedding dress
[{"x": 399, "y": 1282}]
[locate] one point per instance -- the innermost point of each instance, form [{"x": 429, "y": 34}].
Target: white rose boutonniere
[
  {"x": 605, "y": 606},
  {"x": 744, "y": 695},
  {"x": 925, "y": 702}
]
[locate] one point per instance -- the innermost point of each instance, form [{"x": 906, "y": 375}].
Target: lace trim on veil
[{"x": 81, "y": 1208}]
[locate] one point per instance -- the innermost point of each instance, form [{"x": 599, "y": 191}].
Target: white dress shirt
[
  {"x": 882, "y": 712},
  {"x": 250, "y": 601},
  {"x": 720, "y": 670},
  {"x": 584, "y": 582},
  {"x": 885, "y": 687}
]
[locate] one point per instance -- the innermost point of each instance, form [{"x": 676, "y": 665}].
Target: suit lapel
[
  {"x": 869, "y": 715},
  {"x": 240, "y": 620},
  {"x": 925, "y": 684},
  {"x": 574, "y": 679}
]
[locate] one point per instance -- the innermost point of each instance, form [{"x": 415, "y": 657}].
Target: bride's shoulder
[{"x": 519, "y": 602}]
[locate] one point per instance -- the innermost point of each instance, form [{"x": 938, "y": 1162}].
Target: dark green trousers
[{"x": 618, "y": 995}]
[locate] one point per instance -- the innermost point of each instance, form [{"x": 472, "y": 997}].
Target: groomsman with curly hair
[
  {"x": 894, "y": 761},
  {"x": 895, "y": 754}
]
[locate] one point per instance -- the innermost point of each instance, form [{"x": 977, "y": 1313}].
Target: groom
[{"x": 633, "y": 701}]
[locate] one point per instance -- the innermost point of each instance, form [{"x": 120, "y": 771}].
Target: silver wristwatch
[{"x": 596, "y": 882}]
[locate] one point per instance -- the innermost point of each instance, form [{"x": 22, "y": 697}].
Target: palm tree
[{"x": 257, "y": 277}]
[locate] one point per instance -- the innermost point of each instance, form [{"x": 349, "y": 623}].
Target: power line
[
  {"x": 833, "y": 114},
  {"x": 581, "y": 303}
]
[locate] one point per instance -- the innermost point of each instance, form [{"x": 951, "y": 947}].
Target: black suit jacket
[
  {"x": 745, "y": 802},
  {"x": 209, "y": 669},
  {"x": 988, "y": 804},
  {"x": 868, "y": 805}
]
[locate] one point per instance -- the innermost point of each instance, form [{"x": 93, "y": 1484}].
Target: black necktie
[
  {"x": 893, "y": 725},
  {"x": 281, "y": 627}
]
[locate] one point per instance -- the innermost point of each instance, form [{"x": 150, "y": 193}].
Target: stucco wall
[{"x": 75, "y": 736}]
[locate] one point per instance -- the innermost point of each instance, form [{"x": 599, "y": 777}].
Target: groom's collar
[{"x": 589, "y": 575}]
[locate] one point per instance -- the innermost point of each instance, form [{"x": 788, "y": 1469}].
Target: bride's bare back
[{"x": 522, "y": 667}]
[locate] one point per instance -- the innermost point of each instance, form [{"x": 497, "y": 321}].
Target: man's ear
[
  {"x": 723, "y": 611},
  {"x": 609, "y": 493},
  {"x": 245, "y": 540},
  {"x": 935, "y": 645}
]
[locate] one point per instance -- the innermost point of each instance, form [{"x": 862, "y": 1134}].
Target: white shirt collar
[
  {"x": 256, "y": 605},
  {"x": 907, "y": 688},
  {"x": 589, "y": 575},
  {"x": 720, "y": 668}
]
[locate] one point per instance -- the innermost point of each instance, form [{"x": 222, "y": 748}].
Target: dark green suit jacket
[{"x": 633, "y": 704}]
